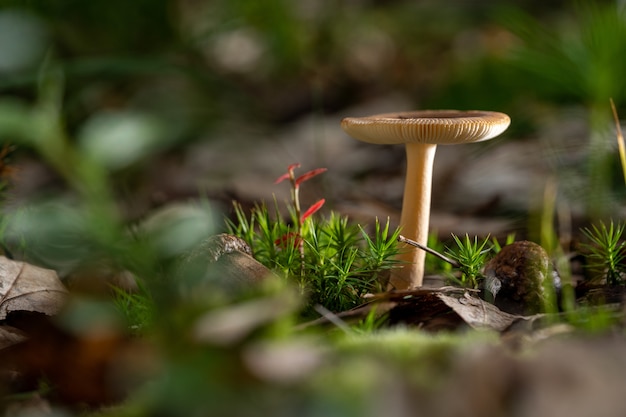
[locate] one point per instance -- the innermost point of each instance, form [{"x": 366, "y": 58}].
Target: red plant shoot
[
  {"x": 295, "y": 200},
  {"x": 289, "y": 175},
  {"x": 312, "y": 210},
  {"x": 308, "y": 175}
]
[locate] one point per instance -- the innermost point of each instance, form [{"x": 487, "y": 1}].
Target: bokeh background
[
  {"x": 157, "y": 114},
  {"x": 182, "y": 99}
]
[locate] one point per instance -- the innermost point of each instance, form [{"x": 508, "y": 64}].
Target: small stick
[{"x": 428, "y": 250}]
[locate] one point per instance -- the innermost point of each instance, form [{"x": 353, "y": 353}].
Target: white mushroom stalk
[{"x": 421, "y": 132}]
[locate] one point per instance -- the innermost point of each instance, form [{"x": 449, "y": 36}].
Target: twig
[{"x": 428, "y": 250}]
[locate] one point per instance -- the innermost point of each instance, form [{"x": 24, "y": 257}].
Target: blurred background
[
  {"x": 183, "y": 99},
  {"x": 139, "y": 112}
]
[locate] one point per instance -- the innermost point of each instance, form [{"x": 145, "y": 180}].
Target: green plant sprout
[
  {"x": 606, "y": 250},
  {"x": 370, "y": 323},
  {"x": 497, "y": 247},
  {"x": 332, "y": 260},
  {"x": 137, "y": 308},
  {"x": 470, "y": 256},
  {"x": 298, "y": 217}
]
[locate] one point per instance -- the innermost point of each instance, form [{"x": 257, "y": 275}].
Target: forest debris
[
  {"x": 10, "y": 336},
  {"x": 398, "y": 295},
  {"x": 25, "y": 287},
  {"x": 434, "y": 309},
  {"x": 478, "y": 313},
  {"x": 448, "y": 308},
  {"x": 228, "y": 261}
]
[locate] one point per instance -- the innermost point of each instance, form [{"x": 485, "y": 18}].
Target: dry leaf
[
  {"x": 25, "y": 287},
  {"x": 10, "y": 336},
  {"x": 478, "y": 313}
]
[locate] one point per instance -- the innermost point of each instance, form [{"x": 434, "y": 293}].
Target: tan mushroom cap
[{"x": 427, "y": 126}]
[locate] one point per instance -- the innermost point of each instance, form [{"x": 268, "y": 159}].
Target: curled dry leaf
[{"x": 25, "y": 287}]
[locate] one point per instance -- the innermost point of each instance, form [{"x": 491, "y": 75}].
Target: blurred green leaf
[
  {"x": 176, "y": 229},
  {"x": 119, "y": 139},
  {"x": 23, "y": 40},
  {"x": 15, "y": 121}
]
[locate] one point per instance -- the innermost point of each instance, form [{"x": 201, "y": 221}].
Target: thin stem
[
  {"x": 415, "y": 215},
  {"x": 295, "y": 196}
]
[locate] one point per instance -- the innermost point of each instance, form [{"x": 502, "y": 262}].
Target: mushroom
[{"x": 421, "y": 132}]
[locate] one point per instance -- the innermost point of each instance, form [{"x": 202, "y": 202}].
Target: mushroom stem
[{"x": 415, "y": 215}]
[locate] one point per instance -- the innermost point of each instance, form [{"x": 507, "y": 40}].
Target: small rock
[{"x": 515, "y": 279}]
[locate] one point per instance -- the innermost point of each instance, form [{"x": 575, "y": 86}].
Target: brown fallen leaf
[
  {"x": 435, "y": 309},
  {"x": 10, "y": 336},
  {"x": 478, "y": 313},
  {"x": 25, "y": 287}
]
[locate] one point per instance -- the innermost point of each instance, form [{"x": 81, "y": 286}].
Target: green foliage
[
  {"x": 372, "y": 322},
  {"x": 137, "y": 307},
  {"x": 496, "y": 246},
  {"x": 577, "y": 56},
  {"x": 578, "y": 59},
  {"x": 592, "y": 319},
  {"x": 471, "y": 256},
  {"x": 332, "y": 260},
  {"x": 606, "y": 250},
  {"x": 341, "y": 261}
]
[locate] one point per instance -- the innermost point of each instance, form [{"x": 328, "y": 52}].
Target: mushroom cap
[{"x": 427, "y": 126}]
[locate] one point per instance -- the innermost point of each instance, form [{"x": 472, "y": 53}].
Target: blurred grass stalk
[
  {"x": 580, "y": 59},
  {"x": 620, "y": 140}
]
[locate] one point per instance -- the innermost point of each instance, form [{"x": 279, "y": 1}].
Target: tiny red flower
[{"x": 312, "y": 210}]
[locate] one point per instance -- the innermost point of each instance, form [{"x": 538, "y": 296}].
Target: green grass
[
  {"x": 339, "y": 261},
  {"x": 606, "y": 250},
  {"x": 471, "y": 256}
]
